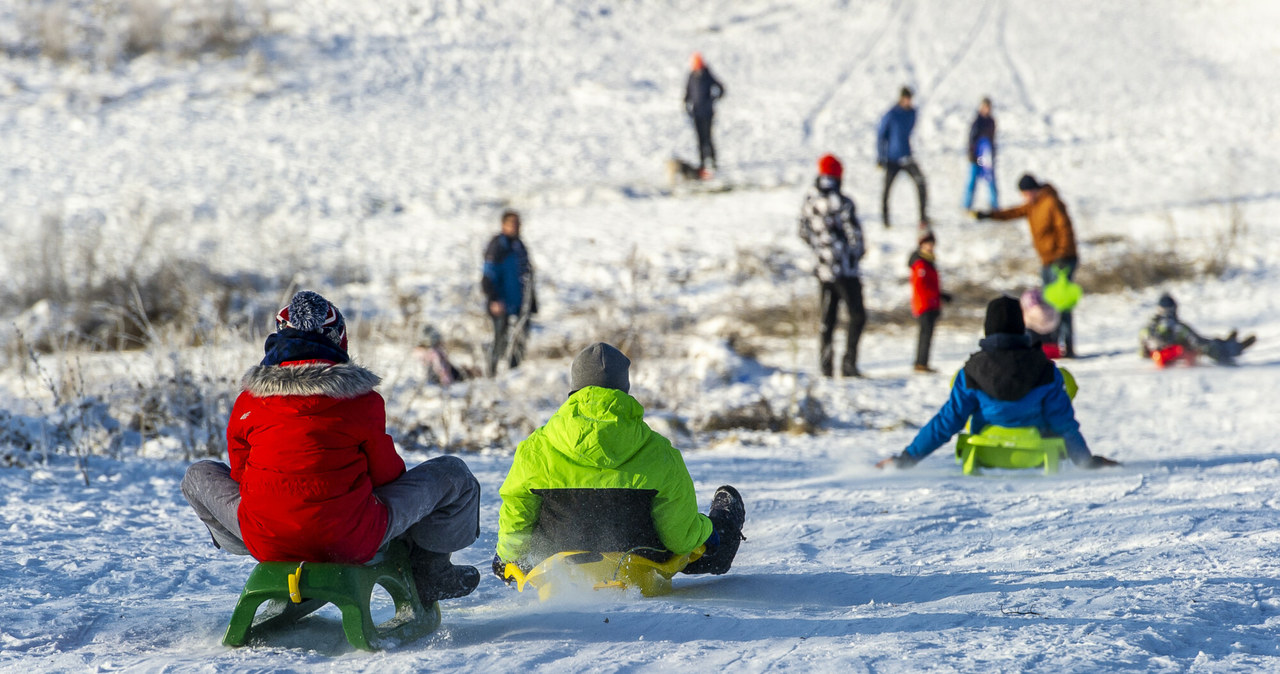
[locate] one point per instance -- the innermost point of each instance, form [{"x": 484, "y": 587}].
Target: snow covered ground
[{"x": 385, "y": 136}]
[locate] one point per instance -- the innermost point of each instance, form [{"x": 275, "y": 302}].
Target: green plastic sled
[
  {"x": 1000, "y": 447},
  {"x": 292, "y": 590}
]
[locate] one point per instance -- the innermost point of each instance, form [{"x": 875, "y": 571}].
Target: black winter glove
[
  {"x": 946, "y": 297},
  {"x": 499, "y": 569},
  {"x": 981, "y": 215},
  {"x": 904, "y": 461},
  {"x": 1096, "y": 461}
]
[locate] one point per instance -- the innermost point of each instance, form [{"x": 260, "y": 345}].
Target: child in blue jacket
[{"x": 1008, "y": 383}]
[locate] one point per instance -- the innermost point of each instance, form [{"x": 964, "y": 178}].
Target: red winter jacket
[
  {"x": 926, "y": 293},
  {"x": 308, "y": 443}
]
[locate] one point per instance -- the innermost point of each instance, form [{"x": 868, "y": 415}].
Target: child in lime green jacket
[{"x": 597, "y": 478}]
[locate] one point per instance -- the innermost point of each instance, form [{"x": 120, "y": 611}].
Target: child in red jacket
[
  {"x": 314, "y": 475},
  {"x": 926, "y": 296}
]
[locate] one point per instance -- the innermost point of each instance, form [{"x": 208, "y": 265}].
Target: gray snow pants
[{"x": 435, "y": 504}]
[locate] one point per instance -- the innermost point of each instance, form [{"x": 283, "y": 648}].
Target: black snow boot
[
  {"x": 437, "y": 578},
  {"x": 727, "y": 514}
]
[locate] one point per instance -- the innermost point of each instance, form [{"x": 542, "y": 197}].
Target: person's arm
[
  {"x": 237, "y": 438},
  {"x": 493, "y": 255},
  {"x": 520, "y": 506},
  {"x": 805, "y": 231},
  {"x": 853, "y": 229},
  {"x": 974, "y": 133},
  {"x": 1007, "y": 213},
  {"x": 949, "y": 420},
  {"x": 1060, "y": 418},
  {"x": 717, "y": 89},
  {"x": 882, "y": 140},
  {"x": 680, "y": 526},
  {"x": 385, "y": 464},
  {"x": 1063, "y": 235},
  {"x": 688, "y": 95}
]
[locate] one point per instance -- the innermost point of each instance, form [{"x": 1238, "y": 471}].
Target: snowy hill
[{"x": 365, "y": 148}]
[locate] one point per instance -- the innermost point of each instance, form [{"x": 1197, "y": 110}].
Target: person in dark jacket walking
[
  {"x": 700, "y": 95},
  {"x": 893, "y": 152},
  {"x": 509, "y": 292},
  {"x": 1008, "y": 383},
  {"x": 829, "y": 224},
  {"x": 982, "y": 155},
  {"x": 926, "y": 296},
  {"x": 313, "y": 475}
]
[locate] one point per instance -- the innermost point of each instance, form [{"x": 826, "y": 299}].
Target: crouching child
[
  {"x": 597, "y": 478},
  {"x": 313, "y": 475}
]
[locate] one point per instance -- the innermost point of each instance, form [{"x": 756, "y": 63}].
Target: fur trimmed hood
[{"x": 342, "y": 381}]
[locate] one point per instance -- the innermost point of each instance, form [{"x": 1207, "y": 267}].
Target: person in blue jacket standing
[
  {"x": 893, "y": 152},
  {"x": 1008, "y": 383},
  {"x": 509, "y": 292},
  {"x": 982, "y": 155}
]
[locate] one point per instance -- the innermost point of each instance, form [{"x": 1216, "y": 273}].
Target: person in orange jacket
[{"x": 1053, "y": 237}]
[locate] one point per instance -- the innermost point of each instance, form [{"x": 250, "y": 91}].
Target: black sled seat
[{"x": 293, "y": 590}]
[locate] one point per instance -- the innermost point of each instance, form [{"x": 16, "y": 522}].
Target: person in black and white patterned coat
[{"x": 829, "y": 224}]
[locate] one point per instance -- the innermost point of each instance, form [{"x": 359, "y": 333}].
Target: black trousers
[
  {"x": 706, "y": 148},
  {"x": 849, "y": 291},
  {"x": 508, "y": 342},
  {"x": 927, "y": 320},
  {"x": 891, "y": 172}
]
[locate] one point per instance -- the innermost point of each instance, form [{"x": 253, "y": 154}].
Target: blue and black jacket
[
  {"x": 1008, "y": 383},
  {"x": 893, "y": 138},
  {"x": 507, "y": 271}
]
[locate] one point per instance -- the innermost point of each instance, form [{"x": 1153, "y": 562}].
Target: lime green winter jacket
[{"x": 598, "y": 440}]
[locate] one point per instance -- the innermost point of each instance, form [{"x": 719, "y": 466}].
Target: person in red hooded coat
[
  {"x": 313, "y": 475},
  {"x": 926, "y": 296}
]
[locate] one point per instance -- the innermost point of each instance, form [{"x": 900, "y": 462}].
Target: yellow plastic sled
[
  {"x": 581, "y": 570},
  {"x": 1000, "y": 447}
]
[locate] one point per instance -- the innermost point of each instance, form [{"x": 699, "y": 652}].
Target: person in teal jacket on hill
[
  {"x": 1008, "y": 383},
  {"x": 597, "y": 478}
]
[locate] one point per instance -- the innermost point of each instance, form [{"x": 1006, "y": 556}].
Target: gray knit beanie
[{"x": 600, "y": 365}]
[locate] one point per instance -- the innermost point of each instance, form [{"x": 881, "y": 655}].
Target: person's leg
[
  {"x": 519, "y": 339},
  {"x": 890, "y": 172},
  {"x": 974, "y": 171},
  {"x": 727, "y": 515},
  {"x": 827, "y": 311},
  {"x": 928, "y": 320},
  {"x": 436, "y": 504},
  {"x": 499, "y": 343},
  {"x": 922, "y": 192},
  {"x": 435, "y": 507},
  {"x": 851, "y": 293},
  {"x": 702, "y": 125},
  {"x": 216, "y": 499},
  {"x": 990, "y": 176}
]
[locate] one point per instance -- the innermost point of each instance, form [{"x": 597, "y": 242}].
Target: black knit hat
[
  {"x": 1027, "y": 183},
  {"x": 600, "y": 365},
  {"x": 1004, "y": 316}
]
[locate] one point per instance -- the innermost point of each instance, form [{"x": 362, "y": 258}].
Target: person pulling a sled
[
  {"x": 596, "y": 478},
  {"x": 1166, "y": 331},
  {"x": 1008, "y": 383},
  {"x": 313, "y": 475}
]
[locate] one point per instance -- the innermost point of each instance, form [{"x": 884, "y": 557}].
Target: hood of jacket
[
  {"x": 1008, "y": 367},
  {"x": 341, "y": 381},
  {"x": 919, "y": 255},
  {"x": 597, "y": 426}
]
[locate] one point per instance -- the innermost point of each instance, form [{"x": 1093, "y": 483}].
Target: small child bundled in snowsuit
[
  {"x": 313, "y": 475},
  {"x": 597, "y": 478},
  {"x": 1165, "y": 330},
  {"x": 926, "y": 296}
]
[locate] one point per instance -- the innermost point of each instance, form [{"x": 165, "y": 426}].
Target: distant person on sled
[
  {"x": 1008, "y": 383},
  {"x": 1165, "y": 338},
  {"x": 313, "y": 475},
  {"x": 596, "y": 478}
]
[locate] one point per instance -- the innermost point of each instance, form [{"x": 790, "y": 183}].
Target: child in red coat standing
[
  {"x": 926, "y": 297},
  {"x": 313, "y": 475}
]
